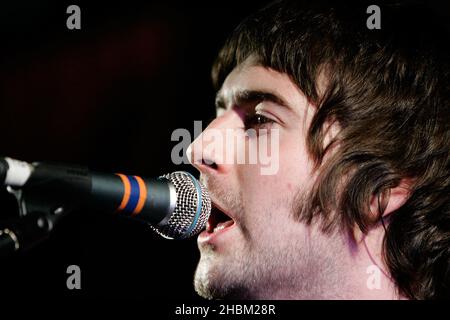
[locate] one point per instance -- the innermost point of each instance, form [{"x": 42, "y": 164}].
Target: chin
[
  {"x": 212, "y": 282},
  {"x": 206, "y": 287},
  {"x": 202, "y": 276}
]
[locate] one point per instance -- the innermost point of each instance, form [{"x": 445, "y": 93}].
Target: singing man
[{"x": 358, "y": 207}]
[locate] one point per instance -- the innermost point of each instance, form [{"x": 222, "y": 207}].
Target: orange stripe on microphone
[
  {"x": 142, "y": 196},
  {"x": 126, "y": 193}
]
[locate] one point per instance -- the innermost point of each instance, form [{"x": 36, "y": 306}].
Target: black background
[{"x": 108, "y": 96}]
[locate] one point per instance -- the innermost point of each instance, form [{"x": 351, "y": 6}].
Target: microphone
[{"x": 175, "y": 205}]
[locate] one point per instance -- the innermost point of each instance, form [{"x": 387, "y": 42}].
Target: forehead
[{"x": 251, "y": 77}]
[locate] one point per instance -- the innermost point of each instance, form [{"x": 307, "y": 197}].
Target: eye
[{"x": 257, "y": 121}]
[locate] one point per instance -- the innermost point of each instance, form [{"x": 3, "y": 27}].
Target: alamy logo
[
  {"x": 374, "y": 20},
  {"x": 374, "y": 279},
  {"x": 74, "y": 278},
  {"x": 74, "y": 20},
  {"x": 228, "y": 146}
]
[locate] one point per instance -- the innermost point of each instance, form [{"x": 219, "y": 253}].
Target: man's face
[{"x": 258, "y": 248}]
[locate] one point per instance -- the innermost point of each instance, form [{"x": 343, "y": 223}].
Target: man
[{"x": 359, "y": 206}]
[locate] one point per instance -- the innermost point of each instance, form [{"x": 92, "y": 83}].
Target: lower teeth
[{"x": 218, "y": 228}]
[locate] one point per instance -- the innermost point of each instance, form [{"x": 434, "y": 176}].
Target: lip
[{"x": 206, "y": 237}]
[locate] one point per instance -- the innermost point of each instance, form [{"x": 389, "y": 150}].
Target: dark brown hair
[{"x": 388, "y": 90}]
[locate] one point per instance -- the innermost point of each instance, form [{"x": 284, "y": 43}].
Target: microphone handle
[
  {"x": 149, "y": 200},
  {"x": 61, "y": 186}
]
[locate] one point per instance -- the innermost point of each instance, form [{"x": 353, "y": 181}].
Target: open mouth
[{"x": 218, "y": 220}]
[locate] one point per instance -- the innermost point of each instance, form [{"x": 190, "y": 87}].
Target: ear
[{"x": 391, "y": 200}]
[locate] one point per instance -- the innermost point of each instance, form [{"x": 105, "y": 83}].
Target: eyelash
[{"x": 257, "y": 121}]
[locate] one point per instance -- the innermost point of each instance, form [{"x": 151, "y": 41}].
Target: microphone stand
[
  {"x": 37, "y": 219},
  {"x": 25, "y": 232}
]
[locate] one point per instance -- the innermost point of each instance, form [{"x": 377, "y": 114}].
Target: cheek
[
  {"x": 266, "y": 195},
  {"x": 296, "y": 166},
  {"x": 294, "y": 171},
  {"x": 267, "y": 200}
]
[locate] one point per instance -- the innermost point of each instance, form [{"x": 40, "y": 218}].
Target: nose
[
  {"x": 207, "y": 152},
  {"x": 199, "y": 157}
]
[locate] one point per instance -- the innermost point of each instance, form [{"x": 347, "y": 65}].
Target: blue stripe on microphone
[{"x": 134, "y": 194}]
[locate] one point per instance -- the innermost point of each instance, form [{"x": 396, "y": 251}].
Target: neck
[
  {"x": 362, "y": 273},
  {"x": 344, "y": 269}
]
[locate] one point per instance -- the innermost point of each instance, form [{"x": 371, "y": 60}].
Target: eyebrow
[{"x": 249, "y": 96}]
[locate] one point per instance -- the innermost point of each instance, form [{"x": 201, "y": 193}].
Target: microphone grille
[{"x": 192, "y": 208}]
